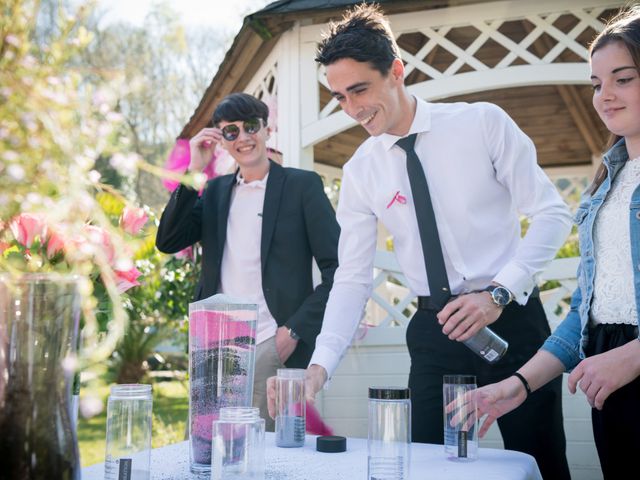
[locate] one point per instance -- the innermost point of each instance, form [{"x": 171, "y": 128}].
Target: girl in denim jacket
[{"x": 598, "y": 340}]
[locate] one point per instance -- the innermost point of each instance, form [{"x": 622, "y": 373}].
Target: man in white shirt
[
  {"x": 482, "y": 173},
  {"x": 260, "y": 229}
]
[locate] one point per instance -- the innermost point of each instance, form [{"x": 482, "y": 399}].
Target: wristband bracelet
[{"x": 524, "y": 382}]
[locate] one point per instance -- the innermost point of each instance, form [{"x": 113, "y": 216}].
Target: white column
[{"x": 289, "y": 102}]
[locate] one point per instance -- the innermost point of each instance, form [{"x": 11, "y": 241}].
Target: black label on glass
[
  {"x": 462, "y": 444},
  {"x": 124, "y": 469}
]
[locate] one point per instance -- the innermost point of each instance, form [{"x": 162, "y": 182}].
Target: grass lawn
[{"x": 170, "y": 412}]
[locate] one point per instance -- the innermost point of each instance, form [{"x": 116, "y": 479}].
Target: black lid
[
  {"x": 459, "y": 379},
  {"x": 331, "y": 444},
  {"x": 389, "y": 393}
]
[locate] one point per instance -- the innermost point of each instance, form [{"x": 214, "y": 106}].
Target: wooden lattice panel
[{"x": 489, "y": 41}]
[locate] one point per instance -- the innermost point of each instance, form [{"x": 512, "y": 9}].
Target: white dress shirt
[
  {"x": 482, "y": 173},
  {"x": 241, "y": 270}
]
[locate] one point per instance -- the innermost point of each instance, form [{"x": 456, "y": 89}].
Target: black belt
[{"x": 424, "y": 303}]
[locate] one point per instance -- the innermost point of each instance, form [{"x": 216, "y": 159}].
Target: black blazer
[{"x": 298, "y": 224}]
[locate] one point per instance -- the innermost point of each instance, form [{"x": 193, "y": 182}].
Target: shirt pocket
[{"x": 395, "y": 209}]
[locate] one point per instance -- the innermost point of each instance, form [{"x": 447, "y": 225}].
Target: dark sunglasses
[{"x": 230, "y": 132}]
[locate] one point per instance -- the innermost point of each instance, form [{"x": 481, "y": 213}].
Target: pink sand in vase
[{"x": 222, "y": 362}]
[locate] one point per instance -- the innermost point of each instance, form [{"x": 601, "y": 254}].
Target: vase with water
[{"x": 39, "y": 318}]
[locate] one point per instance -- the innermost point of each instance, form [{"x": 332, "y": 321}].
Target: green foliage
[
  {"x": 165, "y": 68},
  {"x": 50, "y": 128},
  {"x": 571, "y": 247},
  {"x": 75, "y": 103},
  {"x": 53, "y": 126},
  {"x": 157, "y": 308}
]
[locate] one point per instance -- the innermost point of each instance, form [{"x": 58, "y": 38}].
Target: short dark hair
[
  {"x": 240, "y": 107},
  {"x": 363, "y": 35}
]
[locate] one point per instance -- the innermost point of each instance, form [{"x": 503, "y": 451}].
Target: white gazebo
[{"x": 529, "y": 57}]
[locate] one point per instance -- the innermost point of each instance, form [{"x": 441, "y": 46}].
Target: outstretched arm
[{"x": 496, "y": 399}]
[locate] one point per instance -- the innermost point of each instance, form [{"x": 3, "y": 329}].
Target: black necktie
[{"x": 431, "y": 248}]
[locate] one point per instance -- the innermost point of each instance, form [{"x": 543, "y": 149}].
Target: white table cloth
[{"x": 427, "y": 462}]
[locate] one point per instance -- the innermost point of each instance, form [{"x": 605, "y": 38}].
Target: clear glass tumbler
[
  {"x": 290, "y": 407},
  {"x": 237, "y": 447},
  {"x": 389, "y": 439},
  {"x": 128, "y": 450},
  {"x": 460, "y": 417}
]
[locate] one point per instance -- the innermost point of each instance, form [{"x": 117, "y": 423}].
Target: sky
[{"x": 219, "y": 14}]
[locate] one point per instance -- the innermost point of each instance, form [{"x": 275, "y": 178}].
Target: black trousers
[
  {"x": 616, "y": 427},
  {"x": 536, "y": 427}
]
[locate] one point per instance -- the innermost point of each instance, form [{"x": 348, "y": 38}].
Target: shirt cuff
[
  {"x": 326, "y": 358},
  {"x": 519, "y": 283}
]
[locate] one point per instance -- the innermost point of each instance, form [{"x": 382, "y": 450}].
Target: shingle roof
[
  {"x": 258, "y": 35},
  {"x": 289, "y": 6}
]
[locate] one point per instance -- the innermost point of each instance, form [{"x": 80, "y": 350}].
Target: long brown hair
[{"x": 624, "y": 28}]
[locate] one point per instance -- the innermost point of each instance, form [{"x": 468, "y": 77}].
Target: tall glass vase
[{"x": 39, "y": 316}]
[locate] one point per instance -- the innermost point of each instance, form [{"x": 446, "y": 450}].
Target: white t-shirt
[{"x": 241, "y": 270}]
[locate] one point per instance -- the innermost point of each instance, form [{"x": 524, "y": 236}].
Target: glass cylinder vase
[
  {"x": 39, "y": 317},
  {"x": 222, "y": 348}
]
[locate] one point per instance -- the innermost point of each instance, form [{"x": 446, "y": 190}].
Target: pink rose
[
  {"x": 133, "y": 219},
  {"x": 127, "y": 279},
  {"x": 27, "y": 226},
  {"x": 99, "y": 237},
  {"x": 55, "y": 244},
  {"x": 185, "y": 253}
]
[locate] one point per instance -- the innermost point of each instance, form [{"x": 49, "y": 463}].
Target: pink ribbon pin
[{"x": 397, "y": 198}]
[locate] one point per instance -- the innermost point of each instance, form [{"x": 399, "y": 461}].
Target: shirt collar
[
  {"x": 421, "y": 123},
  {"x": 262, "y": 183},
  {"x": 617, "y": 153}
]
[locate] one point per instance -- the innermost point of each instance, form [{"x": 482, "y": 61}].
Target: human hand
[
  {"x": 285, "y": 345},
  {"x": 315, "y": 378},
  {"x": 493, "y": 401},
  {"x": 467, "y": 314},
  {"x": 201, "y": 148},
  {"x": 601, "y": 375}
]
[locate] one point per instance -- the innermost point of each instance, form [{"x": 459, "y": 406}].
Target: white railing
[{"x": 392, "y": 304}]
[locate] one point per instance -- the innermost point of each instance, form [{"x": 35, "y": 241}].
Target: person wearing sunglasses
[{"x": 260, "y": 229}]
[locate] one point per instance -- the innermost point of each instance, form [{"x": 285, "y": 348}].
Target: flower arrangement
[
  {"x": 56, "y": 129},
  {"x": 31, "y": 243}
]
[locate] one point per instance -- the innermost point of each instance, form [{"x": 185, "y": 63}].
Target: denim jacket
[{"x": 569, "y": 340}]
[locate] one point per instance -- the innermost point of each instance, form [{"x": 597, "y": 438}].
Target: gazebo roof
[
  {"x": 259, "y": 34},
  {"x": 556, "y": 113},
  {"x": 288, "y": 6}
]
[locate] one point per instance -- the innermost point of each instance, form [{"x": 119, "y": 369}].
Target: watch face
[{"x": 501, "y": 296}]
